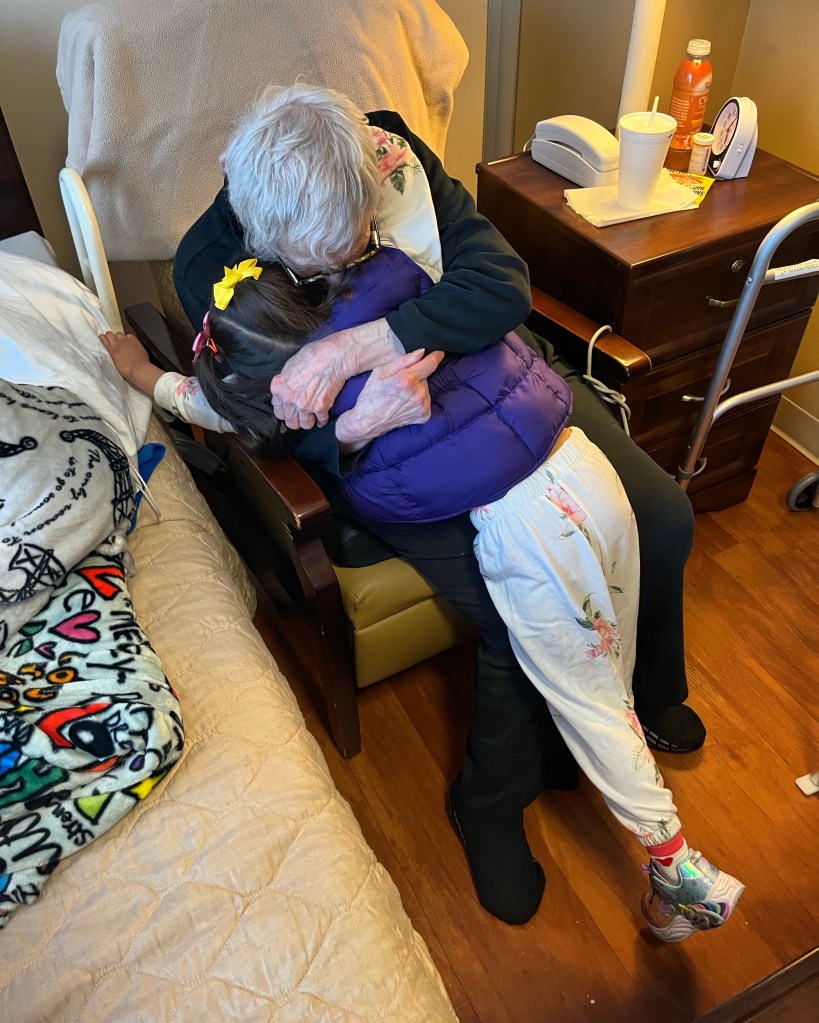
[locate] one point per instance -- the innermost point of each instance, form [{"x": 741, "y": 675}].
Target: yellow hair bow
[{"x": 223, "y": 290}]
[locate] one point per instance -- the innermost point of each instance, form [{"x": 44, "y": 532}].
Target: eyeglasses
[{"x": 373, "y": 247}]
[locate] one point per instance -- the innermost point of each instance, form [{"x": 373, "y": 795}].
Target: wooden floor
[{"x": 753, "y": 654}]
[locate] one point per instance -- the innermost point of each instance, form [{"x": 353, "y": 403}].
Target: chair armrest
[
  {"x": 298, "y": 499},
  {"x": 271, "y": 510},
  {"x": 570, "y": 333}
]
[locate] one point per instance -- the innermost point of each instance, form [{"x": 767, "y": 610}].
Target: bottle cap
[
  {"x": 702, "y": 138},
  {"x": 698, "y": 47}
]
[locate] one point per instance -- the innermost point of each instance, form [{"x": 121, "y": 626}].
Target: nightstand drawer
[
  {"x": 656, "y": 401},
  {"x": 668, "y": 313}
]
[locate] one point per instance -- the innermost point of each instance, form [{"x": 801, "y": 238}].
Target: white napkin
[{"x": 599, "y": 205}]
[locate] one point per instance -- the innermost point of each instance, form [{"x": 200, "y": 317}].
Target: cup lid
[{"x": 638, "y": 123}]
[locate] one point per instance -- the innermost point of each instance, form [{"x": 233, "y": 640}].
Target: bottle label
[
  {"x": 688, "y": 110},
  {"x": 699, "y": 159}
]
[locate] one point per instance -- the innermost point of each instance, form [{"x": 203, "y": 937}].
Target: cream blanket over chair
[{"x": 153, "y": 90}]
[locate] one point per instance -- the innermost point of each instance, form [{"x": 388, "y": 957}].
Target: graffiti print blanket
[
  {"x": 88, "y": 725},
  {"x": 65, "y": 491},
  {"x": 88, "y": 721}
]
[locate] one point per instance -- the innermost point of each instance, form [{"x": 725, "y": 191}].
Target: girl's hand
[
  {"x": 127, "y": 353},
  {"x": 131, "y": 360}
]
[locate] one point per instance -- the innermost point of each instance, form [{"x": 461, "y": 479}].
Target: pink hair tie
[{"x": 204, "y": 340}]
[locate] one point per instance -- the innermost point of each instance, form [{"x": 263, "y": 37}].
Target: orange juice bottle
[{"x": 692, "y": 83}]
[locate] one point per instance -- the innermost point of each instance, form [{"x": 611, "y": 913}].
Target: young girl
[{"x": 556, "y": 539}]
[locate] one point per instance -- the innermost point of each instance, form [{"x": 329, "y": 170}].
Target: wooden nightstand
[{"x": 655, "y": 281}]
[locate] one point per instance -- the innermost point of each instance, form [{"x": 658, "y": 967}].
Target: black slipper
[
  {"x": 671, "y": 729},
  {"x": 508, "y": 880}
]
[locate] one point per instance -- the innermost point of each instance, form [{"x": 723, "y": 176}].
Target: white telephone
[{"x": 577, "y": 148}]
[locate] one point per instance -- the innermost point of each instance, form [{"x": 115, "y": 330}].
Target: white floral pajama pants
[{"x": 560, "y": 557}]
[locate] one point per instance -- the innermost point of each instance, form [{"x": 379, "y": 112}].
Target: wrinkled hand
[
  {"x": 395, "y": 394},
  {"x": 127, "y": 353},
  {"x": 303, "y": 393}
]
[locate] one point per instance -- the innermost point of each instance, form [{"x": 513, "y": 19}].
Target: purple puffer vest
[{"x": 496, "y": 414}]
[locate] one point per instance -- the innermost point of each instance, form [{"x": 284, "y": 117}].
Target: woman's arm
[
  {"x": 177, "y": 394},
  {"x": 310, "y": 381},
  {"x": 484, "y": 291},
  {"x": 394, "y": 395}
]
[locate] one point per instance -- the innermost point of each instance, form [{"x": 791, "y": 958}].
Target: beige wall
[
  {"x": 572, "y": 59},
  {"x": 779, "y": 70},
  {"x": 38, "y": 124},
  {"x": 465, "y": 140},
  {"x": 573, "y": 54},
  {"x": 33, "y": 108}
]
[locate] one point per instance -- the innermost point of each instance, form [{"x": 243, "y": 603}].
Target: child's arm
[
  {"x": 177, "y": 394},
  {"x": 131, "y": 360}
]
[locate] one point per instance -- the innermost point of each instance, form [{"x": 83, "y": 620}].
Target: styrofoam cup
[{"x": 644, "y": 142}]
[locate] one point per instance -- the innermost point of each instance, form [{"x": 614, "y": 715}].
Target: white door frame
[{"x": 502, "y": 45}]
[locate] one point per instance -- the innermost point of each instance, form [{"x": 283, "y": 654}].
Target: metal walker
[
  {"x": 805, "y": 493},
  {"x": 759, "y": 275}
]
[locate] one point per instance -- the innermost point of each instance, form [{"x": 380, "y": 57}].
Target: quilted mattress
[{"x": 242, "y": 887}]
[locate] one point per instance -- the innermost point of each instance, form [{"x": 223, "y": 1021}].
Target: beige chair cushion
[
  {"x": 162, "y": 272},
  {"x": 397, "y": 619}
]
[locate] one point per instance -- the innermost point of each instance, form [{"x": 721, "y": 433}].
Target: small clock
[{"x": 735, "y": 134}]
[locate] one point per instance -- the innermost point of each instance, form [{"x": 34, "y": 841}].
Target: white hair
[{"x": 303, "y": 176}]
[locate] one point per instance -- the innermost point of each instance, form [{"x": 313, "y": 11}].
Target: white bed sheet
[{"x": 49, "y": 335}]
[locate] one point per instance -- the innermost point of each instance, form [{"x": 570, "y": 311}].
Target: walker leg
[{"x": 804, "y": 494}]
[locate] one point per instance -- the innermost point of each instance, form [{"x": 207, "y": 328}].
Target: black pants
[{"x": 514, "y": 747}]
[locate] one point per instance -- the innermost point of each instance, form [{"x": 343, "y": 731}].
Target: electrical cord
[
  {"x": 608, "y": 394},
  {"x": 141, "y": 485}
]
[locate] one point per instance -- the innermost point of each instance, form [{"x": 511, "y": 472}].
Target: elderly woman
[{"x": 314, "y": 185}]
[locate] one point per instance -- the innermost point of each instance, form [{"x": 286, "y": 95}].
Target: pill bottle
[
  {"x": 701, "y": 144},
  {"x": 692, "y": 83}
]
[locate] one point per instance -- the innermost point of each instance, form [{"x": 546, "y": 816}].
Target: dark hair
[{"x": 266, "y": 322}]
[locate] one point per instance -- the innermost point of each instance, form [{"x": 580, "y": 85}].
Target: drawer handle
[
  {"x": 723, "y": 304},
  {"x": 694, "y": 397}
]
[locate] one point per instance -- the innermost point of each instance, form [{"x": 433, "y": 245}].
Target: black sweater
[{"x": 483, "y": 294}]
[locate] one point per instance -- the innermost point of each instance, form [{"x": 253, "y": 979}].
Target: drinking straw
[{"x": 653, "y": 110}]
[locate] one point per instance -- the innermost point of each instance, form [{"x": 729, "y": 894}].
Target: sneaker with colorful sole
[{"x": 703, "y": 899}]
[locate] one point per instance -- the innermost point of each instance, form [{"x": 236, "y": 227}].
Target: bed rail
[{"x": 88, "y": 242}]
